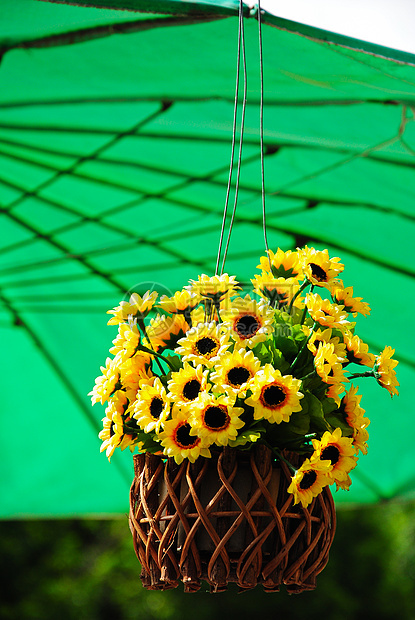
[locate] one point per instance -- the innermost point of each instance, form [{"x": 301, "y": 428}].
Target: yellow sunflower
[
  {"x": 112, "y": 432},
  {"x": 127, "y": 340},
  {"x": 215, "y": 288},
  {"x": 339, "y": 450},
  {"x": 177, "y": 440},
  {"x": 327, "y": 364},
  {"x": 181, "y": 302},
  {"x": 274, "y": 396},
  {"x": 203, "y": 344},
  {"x": 325, "y": 313},
  {"x": 215, "y": 419},
  {"x": 353, "y": 415},
  {"x": 151, "y": 407},
  {"x": 319, "y": 335},
  {"x": 318, "y": 267},
  {"x": 137, "y": 305},
  {"x": 188, "y": 384},
  {"x": 278, "y": 291},
  {"x": 136, "y": 370},
  {"x": 344, "y": 296},
  {"x": 165, "y": 331},
  {"x": 235, "y": 371},
  {"x": 249, "y": 321},
  {"x": 357, "y": 351},
  {"x": 330, "y": 370},
  {"x": 106, "y": 383},
  {"x": 283, "y": 264},
  {"x": 309, "y": 480},
  {"x": 384, "y": 370}
]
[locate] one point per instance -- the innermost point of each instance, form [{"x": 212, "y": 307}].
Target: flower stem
[
  {"x": 369, "y": 373},
  {"x": 300, "y": 290},
  {"x": 141, "y": 347},
  {"x": 142, "y": 325}
]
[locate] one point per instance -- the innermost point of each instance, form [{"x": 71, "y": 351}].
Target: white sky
[{"x": 386, "y": 22}]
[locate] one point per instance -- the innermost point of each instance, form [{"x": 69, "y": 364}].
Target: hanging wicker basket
[{"x": 227, "y": 519}]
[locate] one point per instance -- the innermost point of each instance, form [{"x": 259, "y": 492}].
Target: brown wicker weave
[{"x": 226, "y": 519}]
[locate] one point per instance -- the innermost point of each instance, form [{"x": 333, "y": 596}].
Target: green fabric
[{"x": 114, "y": 157}]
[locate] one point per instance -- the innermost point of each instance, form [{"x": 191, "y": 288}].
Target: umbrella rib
[
  {"x": 81, "y": 35},
  {"x": 114, "y": 139},
  {"x": 342, "y": 52},
  {"x": 270, "y": 143},
  {"x": 77, "y": 257},
  {"x": 192, "y": 99}
]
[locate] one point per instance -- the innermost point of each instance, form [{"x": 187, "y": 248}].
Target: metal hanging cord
[{"x": 241, "y": 40}]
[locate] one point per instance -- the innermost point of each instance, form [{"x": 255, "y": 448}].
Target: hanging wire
[
  {"x": 261, "y": 132},
  {"x": 245, "y": 78},
  {"x": 235, "y": 111}
]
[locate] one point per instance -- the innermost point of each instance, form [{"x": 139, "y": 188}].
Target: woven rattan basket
[{"x": 227, "y": 519}]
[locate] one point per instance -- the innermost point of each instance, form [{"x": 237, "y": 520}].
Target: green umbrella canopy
[{"x": 115, "y": 141}]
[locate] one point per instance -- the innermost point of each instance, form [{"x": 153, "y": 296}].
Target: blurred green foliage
[{"x": 87, "y": 569}]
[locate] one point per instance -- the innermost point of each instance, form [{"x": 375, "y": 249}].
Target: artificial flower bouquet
[{"x": 224, "y": 368}]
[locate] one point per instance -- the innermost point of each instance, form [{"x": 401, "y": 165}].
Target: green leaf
[
  {"x": 318, "y": 422},
  {"x": 244, "y": 438}
]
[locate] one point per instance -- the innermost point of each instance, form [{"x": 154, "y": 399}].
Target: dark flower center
[
  {"x": 308, "y": 480},
  {"x": 247, "y": 326},
  {"x": 216, "y": 418},
  {"x": 183, "y": 437},
  {"x": 273, "y": 395},
  {"x": 318, "y": 273},
  {"x": 112, "y": 429},
  {"x": 191, "y": 389},
  {"x": 238, "y": 375},
  {"x": 206, "y": 346},
  {"x": 156, "y": 407},
  {"x": 330, "y": 453}
]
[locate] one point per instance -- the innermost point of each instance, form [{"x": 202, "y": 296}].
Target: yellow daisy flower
[
  {"x": 325, "y": 313},
  {"x": 235, "y": 371},
  {"x": 339, "y": 451},
  {"x": 188, "y": 384},
  {"x": 203, "y": 344},
  {"x": 318, "y": 267},
  {"x": 384, "y": 370},
  {"x": 182, "y": 302},
  {"x": 278, "y": 291},
  {"x": 151, "y": 407},
  {"x": 248, "y": 320},
  {"x": 215, "y": 288},
  {"x": 137, "y": 305},
  {"x": 106, "y": 384},
  {"x": 344, "y": 296},
  {"x": 136, "y": 370},
  {"x": 357, "y": 351},
  {"x": 330, "y": 370},
  {"x": 215, "y": 419},
  {"x": 274, "y": 396},
  {"x": 177, "y": 441},
  {"x": 327, "y": 364},
  {"x": 283, "y": 264},
  {"x": 164, "y": 332},
  {"x": 112, "y": 434},
  {"x": 318, "y": 336},
  {"x": 344, "y": 484},
  {"x": 309, "y": 481},
  {"x": 353, "y": 415},
  {"x": 127, "y": 340}
]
